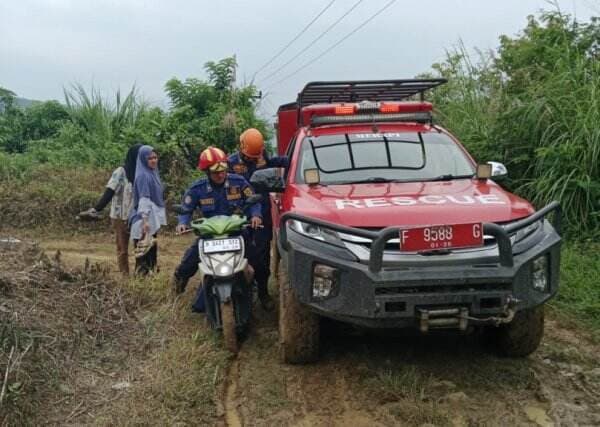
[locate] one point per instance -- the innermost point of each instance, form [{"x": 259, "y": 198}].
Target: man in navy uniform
[{"x": 250, "y": 158}]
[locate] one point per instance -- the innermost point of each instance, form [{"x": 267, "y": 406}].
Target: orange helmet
[
  {"x": 213, "y": 159},
  {"x": 252, "y": 143}
]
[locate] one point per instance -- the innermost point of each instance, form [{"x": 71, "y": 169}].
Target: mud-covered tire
[
  {"x": 522, "y": 336},
  {"x": 299, "y": 330},
  {"x": 275, "y": 261},
  {"x": 229, "y": 330}
]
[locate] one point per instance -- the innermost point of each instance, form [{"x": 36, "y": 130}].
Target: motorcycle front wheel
[{"x": 229, "y": 329}]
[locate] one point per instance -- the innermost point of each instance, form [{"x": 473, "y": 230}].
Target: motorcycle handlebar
[{"x": 189, "y": 230}]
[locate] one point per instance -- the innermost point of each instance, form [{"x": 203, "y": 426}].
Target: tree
[
  {"x": 7, "y": 98},
  {"x": 212, "y": 112}
]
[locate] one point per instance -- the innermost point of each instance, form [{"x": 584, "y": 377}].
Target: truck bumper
[{"x": 403, "y": 294}]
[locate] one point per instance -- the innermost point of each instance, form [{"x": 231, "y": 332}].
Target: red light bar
[
  {"x": 389, "y": 108},
  {"x": 405, "y": 107},
  {"x": 342, "y": 110},
  {"x": 363, "y": 108}
]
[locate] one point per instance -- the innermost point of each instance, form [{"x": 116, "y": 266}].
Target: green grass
[{"x": 579, "y": 291}]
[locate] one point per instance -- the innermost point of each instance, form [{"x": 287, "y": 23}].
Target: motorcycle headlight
[
  {"x": 526, "y": 231},
  {"x": 316, "y": 232},
  {"x": 224, "y": 269}
]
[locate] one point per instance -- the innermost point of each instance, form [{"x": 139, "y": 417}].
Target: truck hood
[{"x": 380, "y": 205}]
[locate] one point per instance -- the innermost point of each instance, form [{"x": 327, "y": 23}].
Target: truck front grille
[{"x": 443, "y": 289}]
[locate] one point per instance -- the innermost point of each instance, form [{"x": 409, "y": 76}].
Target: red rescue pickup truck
[{"x": 384, "y": 220}]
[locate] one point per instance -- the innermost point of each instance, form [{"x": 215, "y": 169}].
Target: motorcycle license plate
[
  {"x": 441, "y": 237},
  {"x": 221, "y": 245}
]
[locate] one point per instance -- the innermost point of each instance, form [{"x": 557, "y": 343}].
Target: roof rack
[{"x": 365, "y": 90}]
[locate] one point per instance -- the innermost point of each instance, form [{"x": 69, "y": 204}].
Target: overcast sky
[{"x": 47, "y": 44}]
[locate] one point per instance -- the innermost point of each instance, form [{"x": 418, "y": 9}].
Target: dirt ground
[{"x": 176, "y": 371}]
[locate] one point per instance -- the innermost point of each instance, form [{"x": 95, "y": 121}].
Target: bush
[{"x": 46, "y": 195}]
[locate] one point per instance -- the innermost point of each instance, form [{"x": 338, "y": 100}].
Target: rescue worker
[
  {"x": 250, "y": 158},
  {"x": 219, "y": 193}
]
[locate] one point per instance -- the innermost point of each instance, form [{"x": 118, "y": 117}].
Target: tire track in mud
[{"x": 230, "y": 395}]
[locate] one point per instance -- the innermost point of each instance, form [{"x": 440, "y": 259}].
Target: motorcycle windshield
[{"x": 220, "y": 225}]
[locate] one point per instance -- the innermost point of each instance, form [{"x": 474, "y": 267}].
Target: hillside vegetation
[{"x": 55, "y": 157}]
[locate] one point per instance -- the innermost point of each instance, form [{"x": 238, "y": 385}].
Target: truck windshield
[{"x": 389, "y": 157}]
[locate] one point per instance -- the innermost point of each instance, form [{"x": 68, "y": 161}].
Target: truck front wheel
[
  {"x": 298, "y": 327},
  {"x": 523, "y": 335},
  {"x": 275, "y": 260}
]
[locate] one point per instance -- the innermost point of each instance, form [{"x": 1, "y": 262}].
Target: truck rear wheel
[
  {"x": 299, "y": 330},
  {"x": 523, "y": 335}
]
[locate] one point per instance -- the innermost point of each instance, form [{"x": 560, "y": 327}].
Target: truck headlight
[
  {"x": 325, "y": 281},
  {"x": 316, "y": 232},
  {"x": 539, "y": 276}
]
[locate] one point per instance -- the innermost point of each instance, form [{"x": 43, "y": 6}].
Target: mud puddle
[{"x": 367, "y": 379}]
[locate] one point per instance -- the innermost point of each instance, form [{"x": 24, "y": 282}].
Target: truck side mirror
[
  {"x": 498, "y": 170},
  {"x": 491, "y": 170},
  {"x": 267, "y": 181}
]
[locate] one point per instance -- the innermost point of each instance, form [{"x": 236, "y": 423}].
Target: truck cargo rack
[{"x": 365, "y": 90}]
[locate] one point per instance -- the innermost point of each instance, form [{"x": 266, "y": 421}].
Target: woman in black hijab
[{"x": 119, "y": 190}]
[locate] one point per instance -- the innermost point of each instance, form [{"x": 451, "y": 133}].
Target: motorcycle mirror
[{"x": 267, "y": 181}]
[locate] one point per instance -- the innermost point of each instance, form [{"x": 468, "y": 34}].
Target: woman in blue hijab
[{"x": 148, "y": 212}]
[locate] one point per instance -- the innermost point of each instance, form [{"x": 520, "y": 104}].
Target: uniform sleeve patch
[{"x": 187, "y": 200}]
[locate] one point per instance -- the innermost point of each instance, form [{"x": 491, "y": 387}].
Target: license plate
[
  {"x": 441, "y": 237},
  {"x": 221, "y": 245}
]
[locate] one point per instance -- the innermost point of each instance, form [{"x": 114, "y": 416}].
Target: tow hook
[
  {"x": 508, "y": 315},
  {"x": 459, "y": 317}
]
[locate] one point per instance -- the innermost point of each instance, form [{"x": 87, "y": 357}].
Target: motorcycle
[{"x": 226, "y": 276}]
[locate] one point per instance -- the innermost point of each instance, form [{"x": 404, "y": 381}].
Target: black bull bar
[{"x": 380, "y": 238}]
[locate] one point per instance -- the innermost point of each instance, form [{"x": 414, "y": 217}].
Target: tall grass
[
  {"x": 534, "y": 105},
  {"x": 566, "y": 163},
  {"x": 579, "y": 293},
  {"x": 100, "y": 117}
]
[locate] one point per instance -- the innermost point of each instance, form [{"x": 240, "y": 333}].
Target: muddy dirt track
[{"x": 380, "y": 379}]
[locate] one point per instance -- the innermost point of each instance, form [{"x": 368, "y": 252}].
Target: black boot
[
  {"x": 177, "y": 285},
  {"x": 265, "y": 299}
]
